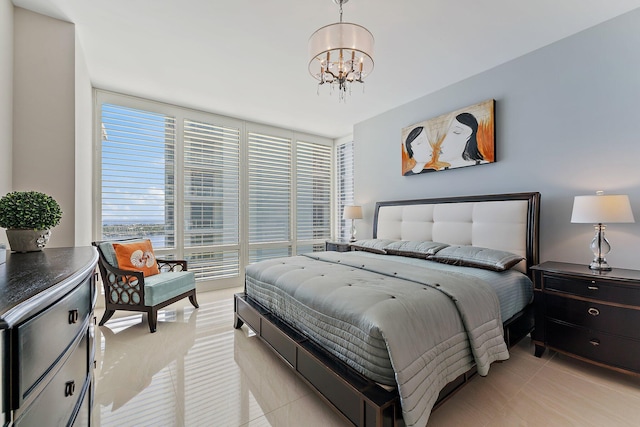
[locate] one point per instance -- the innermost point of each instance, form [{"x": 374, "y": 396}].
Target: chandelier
[{"x": 341, "y": 54}]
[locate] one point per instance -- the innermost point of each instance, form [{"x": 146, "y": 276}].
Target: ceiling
[{"x": 248, "y": 58}]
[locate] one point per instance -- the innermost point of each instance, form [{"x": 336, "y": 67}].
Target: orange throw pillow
[{"x": 136, "y": 256}]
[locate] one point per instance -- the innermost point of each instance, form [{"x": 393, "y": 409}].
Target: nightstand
[
  {"x": 337, "y": 245},
  {"x": 590, "y": 315}
]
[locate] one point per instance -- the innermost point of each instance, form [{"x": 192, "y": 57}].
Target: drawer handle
[
  {"x": 594, "y": 342},
  {"x": 592, "y": 288},
  {"x": 73, "y": 316},
  {"x": 69, "y": 388},
  {"x": 593, "y": 311}
]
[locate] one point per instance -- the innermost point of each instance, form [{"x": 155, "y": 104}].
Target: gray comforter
[{"x": 421, "y": 322}]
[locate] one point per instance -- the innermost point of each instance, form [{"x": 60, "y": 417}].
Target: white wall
[
  {"x": 6, "y": 99},
  {"x": 567, "y": 120},
  {"x": 44, "y": 129},
  {"x": 83, "y": 149}
]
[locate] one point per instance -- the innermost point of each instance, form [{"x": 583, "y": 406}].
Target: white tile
[{"x": 197, "y": 370}]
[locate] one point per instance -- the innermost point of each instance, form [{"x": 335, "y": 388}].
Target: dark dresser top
[
  {"x": 582, "y": 270},
  {"x": 29, "y": 282}
]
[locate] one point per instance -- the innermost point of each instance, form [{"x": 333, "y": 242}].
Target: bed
[{"x": 388, "y": 330}]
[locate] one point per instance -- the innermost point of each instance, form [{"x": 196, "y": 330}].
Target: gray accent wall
[{"x": 567, "y": 124}]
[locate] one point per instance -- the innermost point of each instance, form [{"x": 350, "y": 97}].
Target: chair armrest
[{"x": 171, "y": 264}]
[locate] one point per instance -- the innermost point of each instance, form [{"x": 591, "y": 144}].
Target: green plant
[{"x": 29, "y": 210}]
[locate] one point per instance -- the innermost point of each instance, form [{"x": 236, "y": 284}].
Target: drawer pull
[
  {"x": 592, "y": 288},
  {"x": 69, "y": 388},
  {"x": 594, "y": 342},
  {"x": 593, "y": 311},
  {"x": 73, "y": 316}
]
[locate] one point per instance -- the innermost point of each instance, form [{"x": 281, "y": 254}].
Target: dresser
[
  {"x": 589, "y": 315},
  {"x": 46, "y": 333}
]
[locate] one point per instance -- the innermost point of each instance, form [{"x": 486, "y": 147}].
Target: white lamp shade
[
  {"x": 602, "y": 209},
  {"x": 341, "y": 36},
  {"x": 352, "y": 212}
]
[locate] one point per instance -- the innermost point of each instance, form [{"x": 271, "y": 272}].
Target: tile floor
[{"x": 196, "y": 370}]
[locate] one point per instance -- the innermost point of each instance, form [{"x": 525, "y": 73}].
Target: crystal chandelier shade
[{"x": 341, "y": 54}]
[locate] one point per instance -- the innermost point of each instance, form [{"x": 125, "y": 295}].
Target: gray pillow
[
  {"x": 377, "y": 246},
  {"x": 475, "y": 256},
  {"x": 414, "y": 248}
]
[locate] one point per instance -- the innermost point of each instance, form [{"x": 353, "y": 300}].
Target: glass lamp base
[
  {"x": 600, "y": 247},
  {"x": 353, "y": 232},
  {"x": 600, "y": 265}
]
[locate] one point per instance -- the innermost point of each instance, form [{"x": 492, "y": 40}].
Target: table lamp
[
  {"x": 599, "y": 209},
  {"x": 352, "y": 213}
]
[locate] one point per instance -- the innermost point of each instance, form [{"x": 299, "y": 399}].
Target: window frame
[{"x": 245, "y": 127}]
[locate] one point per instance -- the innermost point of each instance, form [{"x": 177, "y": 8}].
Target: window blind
[
  {"x": 138, "y": 162},
  {"x": 313, "y": 188},
  {"x": 344, "y": 186},
  {"x": 211, "y": 198},
  {"x": 269, "y": 188}
]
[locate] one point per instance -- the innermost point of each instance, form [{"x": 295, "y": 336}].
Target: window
[
  {"x": 313, "y": 188},
  {"x": 212, "y": 198},
  {"x": 137, "y": 175},
  {"x": 216, "y": 191},
  {"x": 344, "y": 187},
  {"x": 269, "y": 196}
]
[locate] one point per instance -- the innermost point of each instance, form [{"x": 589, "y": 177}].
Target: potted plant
[{"x": 28, "y": 217}]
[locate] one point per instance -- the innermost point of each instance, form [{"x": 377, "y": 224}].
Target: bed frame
[{"x": 359, "y": 400}]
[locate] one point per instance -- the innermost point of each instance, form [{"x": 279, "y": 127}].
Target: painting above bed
[{"x": 465, "y": 137}]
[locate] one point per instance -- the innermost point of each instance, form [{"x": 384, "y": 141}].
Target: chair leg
[
  {"x": 193, "y": 300},
  {"x": 106, "y": 316},
  {"x": 152, "y": 317}
]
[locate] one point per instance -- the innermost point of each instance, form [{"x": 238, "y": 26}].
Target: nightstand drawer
[
  {"x": 609, "y": 291},
  {"x": 338, "y": 246},
  {"x": 600, "y": 317},
  {"x": 608, "y": 349}
]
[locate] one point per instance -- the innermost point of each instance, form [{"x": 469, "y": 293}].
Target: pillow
[
  {"x": 136, "y": 256},
  {"x": 371, "y": 245},
  {"x": 414, "y": 248},
  {"x": 475, "y": 256}
]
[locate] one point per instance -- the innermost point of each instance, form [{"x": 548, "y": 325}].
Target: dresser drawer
[
  {"x": 43, "y": 339},
  {"x": 595, "y": 288},
  {"x": 600, "y": 317},
  {"x": 598, "y": 346},
  {"x": 83, "y": 418},
  {"x": 56, "y": 404}
]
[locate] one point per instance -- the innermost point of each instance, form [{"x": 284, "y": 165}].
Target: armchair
[{"x": 131, "y": 290}]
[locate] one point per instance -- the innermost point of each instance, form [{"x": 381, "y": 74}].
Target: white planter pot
[{"x": 27, "y": 240}]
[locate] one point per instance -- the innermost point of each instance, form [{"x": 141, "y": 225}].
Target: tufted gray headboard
[{"x": 507, "y": 222}]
